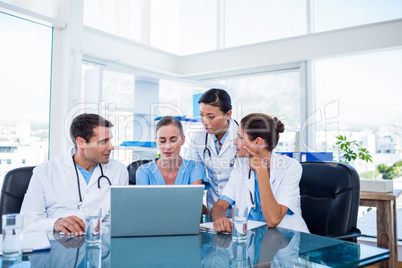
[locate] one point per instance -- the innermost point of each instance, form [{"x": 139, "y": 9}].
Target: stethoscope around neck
[
  {"x": 99, "y": 187},
  {"x": 206, "y": 150},
  {"x": 251, "y": 198}
]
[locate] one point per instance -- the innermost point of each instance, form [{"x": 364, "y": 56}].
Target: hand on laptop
[
  {"x": 70, "y": 225},
  {"x": 223, "y": 224}
]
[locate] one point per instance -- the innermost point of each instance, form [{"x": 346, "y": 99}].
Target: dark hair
[
  {"x": 264, "y": 126},
  {"x": 218, "y": 98},
  {"x": 169, "y": 120},
  {"x": 83, "y": 126}
]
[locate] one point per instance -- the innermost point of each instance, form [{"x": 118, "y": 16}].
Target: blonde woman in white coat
[
  {"x": 213, "y": 146},
  {"x": 266, "y": 183}
]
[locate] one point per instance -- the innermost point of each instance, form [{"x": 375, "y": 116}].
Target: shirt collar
[{"x": 215, "y": 139}]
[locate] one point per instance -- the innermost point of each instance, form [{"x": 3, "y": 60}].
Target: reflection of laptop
[
  {"x": 155, "y": 210},
  {"x": 155, "y": 251}
]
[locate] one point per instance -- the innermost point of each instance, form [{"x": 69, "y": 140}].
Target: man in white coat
[{"x": 60, "y": 189}]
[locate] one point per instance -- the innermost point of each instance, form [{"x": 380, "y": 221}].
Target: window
[
  {"x": 330, "y": 15},
  {"x": 359, "y": 96},
  {"x": 25, "y": 72},
  {"x": 274, "y": 93},
  {"x": 179, "y": 96},
  {"x": 132, "y": 102},
  {"x": 263, "y": 20},
  {"x": 118, "y": 97},
  {"x": 120, "y": 17},
  {"x": 183, "y": 27}
]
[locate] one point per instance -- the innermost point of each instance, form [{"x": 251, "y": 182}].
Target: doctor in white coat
[
  {"x": 60, "y": 189},
  {"x": 266, "y": 183},
  {"x": 214, "y": 146}
]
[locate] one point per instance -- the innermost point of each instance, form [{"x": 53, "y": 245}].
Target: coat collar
[
  {"x": 232, "y": 128},
  {"x": 273, "y": 167},
  {"x": 250, "y": 182},
  {"x": 68, "y": 162},
  {"x": 67, "y": 158}
]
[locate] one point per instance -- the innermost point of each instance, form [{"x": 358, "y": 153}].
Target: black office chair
[
  {"x": 132, "y": 169},
  {"x": 15, "y": 185},
  {"x": 330, "y": 196}
]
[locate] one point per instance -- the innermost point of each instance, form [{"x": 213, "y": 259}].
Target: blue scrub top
[
  {"x": 85, "y": 173},
  {"x": 189, "y": 172}
]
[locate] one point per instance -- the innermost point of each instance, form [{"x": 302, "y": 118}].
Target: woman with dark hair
[
  {"x": 170, "y": 168},
  {"x": 213, "y": 146},
  {"x": 266, "y": 183}
]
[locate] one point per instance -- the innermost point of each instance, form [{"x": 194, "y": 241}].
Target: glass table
[{"x": 275, "y": 247}]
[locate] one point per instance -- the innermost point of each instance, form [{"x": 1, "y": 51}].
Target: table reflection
[
  {"x": 272, "y": 247},
  {"x": 69, "y": 251},
  {"x": 264, "y": 247},
  {"x": 157, "y": 251}
]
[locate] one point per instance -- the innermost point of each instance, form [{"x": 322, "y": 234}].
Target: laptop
[{"x": 153, "y": 210}]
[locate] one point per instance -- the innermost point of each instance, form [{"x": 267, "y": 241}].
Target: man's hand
[
  {"x": 204, "y": 210},
  {"x": 223, "y": 224},
  {"x": 70, "y": 225}
]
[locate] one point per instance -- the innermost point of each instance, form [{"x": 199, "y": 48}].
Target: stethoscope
[
  {"x": 251, "y": 198},
  {"x": 99, "y": 187},
  {"x": 206, "y": 149}
]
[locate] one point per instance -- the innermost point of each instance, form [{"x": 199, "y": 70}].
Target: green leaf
[{"x": 343, "y": 146}]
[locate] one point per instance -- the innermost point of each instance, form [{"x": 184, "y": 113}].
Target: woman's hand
[{"x": 257, "y": 159}]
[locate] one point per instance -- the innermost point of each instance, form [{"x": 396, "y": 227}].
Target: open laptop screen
[{"x": 154, "y": 210}]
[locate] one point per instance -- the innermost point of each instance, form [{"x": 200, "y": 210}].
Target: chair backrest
[
  {"x": 15, "y": 185},
  {"x": 132, "y": 169},
  {"x": 330, "y": 196}
]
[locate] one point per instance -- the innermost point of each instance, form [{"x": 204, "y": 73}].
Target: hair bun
[{"x": 279, "y": 126}]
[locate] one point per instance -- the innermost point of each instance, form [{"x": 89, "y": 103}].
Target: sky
[{"x": 25, "y": 67}]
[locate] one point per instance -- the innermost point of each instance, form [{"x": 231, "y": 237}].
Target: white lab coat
[
  {"x": 285, "y": 175},
  {"x": 53, "y": 192},
  {"x": 218, "y": 166}
]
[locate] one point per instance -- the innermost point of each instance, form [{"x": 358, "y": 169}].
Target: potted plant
[
  {"x": 351, "y": 150},
  {"x": 347, "y": 149}
]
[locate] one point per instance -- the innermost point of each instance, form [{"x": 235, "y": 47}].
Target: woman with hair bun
[{"x": 266, "y": 183}]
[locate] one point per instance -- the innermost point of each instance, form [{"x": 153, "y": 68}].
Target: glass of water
[
  {"x": 12, "y": 236},
  {"x": 93, "y": 223},
  {"x": 239, "y": 224}
]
